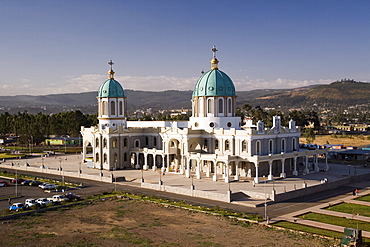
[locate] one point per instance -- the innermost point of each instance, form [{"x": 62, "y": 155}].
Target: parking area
[{"x": 23, "y": 191}]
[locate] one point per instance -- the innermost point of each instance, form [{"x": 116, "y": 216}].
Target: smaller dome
[{"x": 111, "y": 88}]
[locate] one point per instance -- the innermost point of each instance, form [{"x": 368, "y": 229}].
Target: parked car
[
  {"x": 31, "y": 202},
  {"x": 26, "y": 182},
  {"x": 17, "y": 180},
  {"x": 42, "y": 186},
  {"x": 49, "y": 187},
  {"x": 4, "y": 184},
  {"x": 72, "y": 196},
  {"x": 58, "y": 198},
  {"x": 17, "y": 207},
  {"x": 44, "y": 202},
  {"x": 35, "y": 183}
]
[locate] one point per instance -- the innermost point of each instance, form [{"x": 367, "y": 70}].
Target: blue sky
[{"x": 49, "y": 47}]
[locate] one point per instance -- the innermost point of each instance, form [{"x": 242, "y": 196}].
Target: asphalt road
[{"x": 95, "y": 187}]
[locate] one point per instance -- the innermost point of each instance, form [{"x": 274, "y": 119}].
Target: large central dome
[{"x": 214, "y": 83}]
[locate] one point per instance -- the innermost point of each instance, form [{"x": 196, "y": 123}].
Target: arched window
[
  {"x": 104, "y": 108},
  {"x": 137, "y": 143},
  {"x": 205, "y": 143},
  {"x": 227, "y": 145},
  {"x": 220, "y": 106},
  {"x": 244, "y": 146},
  {"x": 155, "y": 141},
  {"x": 97, "y": 157},
  {"x": 216, "y": 144},
  {"x": 114, "y": 142},
  {"x": 271, "y": 144},
  {"x": 294, "y": 144},
  {"x": 120, "y": 106},
  {"x": 115, "y": 158},
  {"x": 97, "y": 142},
  {"x": 172, "y": 144},
  {"x": 210, "y": 106},
  {"x": 258, "y": 148},
  {"x": 105, "y": 142},
  {"x": 146, "y": 141},
  {"x": 113, "y": 108},
  {"x": 282, "y": 145},
  {"x": 105, "y": 158},
  {"x": 229, "y": 105},
  {"x": 125, "y": 142}
]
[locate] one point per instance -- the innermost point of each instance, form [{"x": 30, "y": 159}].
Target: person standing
[{"x": 356, "y": 192}]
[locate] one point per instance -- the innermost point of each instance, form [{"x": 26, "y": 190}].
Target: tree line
[{"x": 35, "y": 128}]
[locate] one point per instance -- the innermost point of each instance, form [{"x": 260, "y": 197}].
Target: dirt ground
[
  {"x": 346, "y": 141},
  {"x": 121, "y": 222}
]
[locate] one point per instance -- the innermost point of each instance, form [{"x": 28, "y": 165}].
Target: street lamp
[
  {"x": 349, "y": 170},
  {"x": 264, "y": 189},
  {"x": 160, "y": 177},
  {"x": 142, "y": 175}
]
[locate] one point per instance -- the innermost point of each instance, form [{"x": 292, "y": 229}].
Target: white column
[
  {"x": 256, "y": 178},
  {"x": 137, "y": 165},
  {"x": 208, "y": 171},
  {"x": 270, "y": 176},
  {"x": 306, "y": 165},
  {"x": 295, "y": 172},
  {"x": 237, "y": 176},
  {"x": 227, "y": 171},
  {"x": 198, "y": 171},
  {"x": 145, "y": 167},
  {"x": 154, "y": 168},
  {"x": 215, "y": 177},
  {"x": 187, "y": 172},
  {"x": 283, "y": 174},
  {"x": 316, "y": 163},
  {"x": 163, "y": 162}
]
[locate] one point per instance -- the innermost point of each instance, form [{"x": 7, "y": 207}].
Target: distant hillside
[{"x": 337, "y": 94}]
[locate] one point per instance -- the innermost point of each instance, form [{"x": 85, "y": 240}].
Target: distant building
[{"x": 212, "y": 143}]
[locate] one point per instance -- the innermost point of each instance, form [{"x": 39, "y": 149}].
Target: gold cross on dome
[
  {"x": 214, "y": 51},
  {"x": 111, "y": 64}
]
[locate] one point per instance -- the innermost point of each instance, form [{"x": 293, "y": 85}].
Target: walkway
[{"x": 293, "y": 217}]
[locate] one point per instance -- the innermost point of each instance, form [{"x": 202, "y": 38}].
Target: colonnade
[{"x": 214, "y": 166}]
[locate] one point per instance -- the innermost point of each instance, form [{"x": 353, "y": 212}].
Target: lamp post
[
  {"x": 142, "y": 175},
  {"x": 264, "y": 189},
  {"x": 79, "y": 168},
  {"x": 16, "y": 179},
  {"x": 160, "y": 177},
  {"x": 65, "y": 145},
  {"x": 349, "y": 170}
]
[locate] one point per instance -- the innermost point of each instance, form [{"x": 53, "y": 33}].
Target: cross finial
[
  {"x": 111, "y": 64},
  {"x": 214, "y": 50}
]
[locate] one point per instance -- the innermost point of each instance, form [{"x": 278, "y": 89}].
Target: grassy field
[
  {"x": 351, "y": 208},
  {"x": 364, "y": 198},
  {"x": 346, "y": 140},
  {"x": 339, "y": 221}
]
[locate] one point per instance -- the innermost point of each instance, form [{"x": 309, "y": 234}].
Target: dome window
[
  {"x": 229, "y": 124},
  {"x": 211, "y": 124}
]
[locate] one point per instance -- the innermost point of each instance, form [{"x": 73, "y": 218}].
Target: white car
[
  {"x": 31, "y": 202},
  {"x": 44, "y": 202},
  {"x": 49, "y": 186}
]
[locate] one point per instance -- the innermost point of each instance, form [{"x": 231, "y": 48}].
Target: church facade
[{"x": 213, "y": 143}]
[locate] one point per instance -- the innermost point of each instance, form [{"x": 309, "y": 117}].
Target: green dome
[
  {"x": 111, "y": 88},
  {"x": 214, "y": 83}
]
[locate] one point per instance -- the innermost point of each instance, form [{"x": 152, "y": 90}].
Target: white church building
[{"x": 213, "y": 143}]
